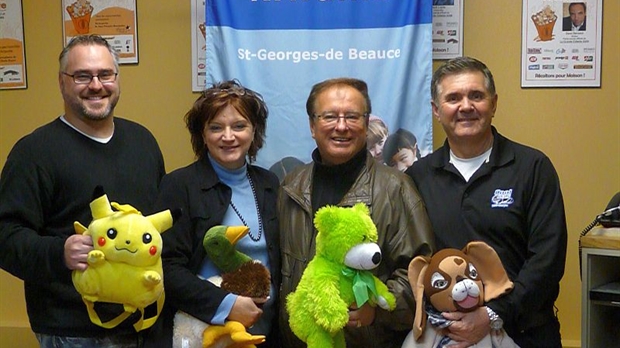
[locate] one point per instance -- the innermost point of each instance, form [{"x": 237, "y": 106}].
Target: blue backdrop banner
[{"x": 281, "y": 48}]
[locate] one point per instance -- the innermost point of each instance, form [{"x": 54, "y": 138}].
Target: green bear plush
[{"x": 337, "y": 277}]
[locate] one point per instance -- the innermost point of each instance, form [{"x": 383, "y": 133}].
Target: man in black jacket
[{"x": 482, "y": 186}]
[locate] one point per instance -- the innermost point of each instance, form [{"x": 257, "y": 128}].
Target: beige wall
[{"x": 578, "y": 128}]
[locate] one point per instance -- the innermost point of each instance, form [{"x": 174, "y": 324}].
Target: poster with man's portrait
[{"x": 561, "y": 43}]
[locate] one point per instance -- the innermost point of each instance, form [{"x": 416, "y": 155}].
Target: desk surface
[{"x": 602, "y": 238}]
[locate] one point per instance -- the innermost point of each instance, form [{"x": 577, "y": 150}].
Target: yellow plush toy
[
  {"x": 337, "y": 277},
  {"x": 125, "y": 266}
]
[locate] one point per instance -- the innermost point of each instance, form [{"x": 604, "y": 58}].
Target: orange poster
[
  {"x": 12, "y": 56},
  {"x": 115, "y": 20}
]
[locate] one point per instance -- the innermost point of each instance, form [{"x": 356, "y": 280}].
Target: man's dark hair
[
  {"x": 577, "y": 3},
  {"x": 457, "y": 66},
  {"x": 86, "y": 40},
  {"x": 359, "y": 85}
]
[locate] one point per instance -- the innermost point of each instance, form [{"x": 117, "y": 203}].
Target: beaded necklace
[{"x": 260, "y": 220}]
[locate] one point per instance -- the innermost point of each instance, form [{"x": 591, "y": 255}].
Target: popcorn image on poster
[
  {"x": 80, "y": 12},
  {"x": 544, "y": 20}
]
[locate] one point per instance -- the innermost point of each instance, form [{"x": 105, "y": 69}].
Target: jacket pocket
[{"x": 293, "y": 266}]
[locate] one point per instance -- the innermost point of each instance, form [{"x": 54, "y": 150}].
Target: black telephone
[
  {"x": 611, "y": 215},
  {"x": 609, "y": 218}
]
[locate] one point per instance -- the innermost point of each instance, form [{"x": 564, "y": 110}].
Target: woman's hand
[{"x": 245, "y": 311}]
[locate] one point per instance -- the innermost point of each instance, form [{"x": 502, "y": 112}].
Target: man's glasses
[
  {"x": 331, "y": 117},
  {"x": 86, "y": 78}
]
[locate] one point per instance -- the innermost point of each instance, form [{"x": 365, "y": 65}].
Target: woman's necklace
[{"x": 260, "y": 220}]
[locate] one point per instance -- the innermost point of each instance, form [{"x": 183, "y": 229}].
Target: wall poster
[
  {"x": 115, "y": 20},
  {"x": 12, "y": 49},
  {"x": 282, "y": 48},
  {"x": 198, "y": 34},
  {"x": 561, "y": 43},
  {"x": 447, "y": 29}
]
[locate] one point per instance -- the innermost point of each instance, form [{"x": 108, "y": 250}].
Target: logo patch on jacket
[{"x": 502, "y": 198}]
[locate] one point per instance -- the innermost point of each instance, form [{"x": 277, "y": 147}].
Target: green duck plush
[
  {"x": 239, "y": 275},
  {"x": 337, "y": 276}
]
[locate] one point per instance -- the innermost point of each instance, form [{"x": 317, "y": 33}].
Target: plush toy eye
[
  {"x": 438, "y": 281},
  {"x": 473, "y": 272},
  {"x": 112, "y": 233},
  {"x": 147, "y": 238}
]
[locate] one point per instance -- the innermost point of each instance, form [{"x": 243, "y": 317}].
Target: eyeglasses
[
  {"x": 85, "y": 78},
  {"x": 234, "y": 90},
  {"x": 331, "y": 117}
]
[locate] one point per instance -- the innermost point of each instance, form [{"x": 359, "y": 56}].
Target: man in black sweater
[{"x": 47, "y": 184}]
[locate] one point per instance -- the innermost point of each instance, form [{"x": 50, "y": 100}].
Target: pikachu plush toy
[{"x": 125, "y": 266}]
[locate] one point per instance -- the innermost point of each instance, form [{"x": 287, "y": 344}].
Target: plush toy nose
[
  {"x": 466, "y": 295},
  {"x": 376, "y": 258},
  {"x": 364, "y": 256}
]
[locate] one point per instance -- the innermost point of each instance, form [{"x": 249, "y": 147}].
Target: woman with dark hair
[
  {"x": 227, "y": 128},
  {"x": 401, "y": 150}
]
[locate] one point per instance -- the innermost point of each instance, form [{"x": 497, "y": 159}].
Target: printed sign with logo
[
  {"x": 115, "y": 20},
  {"x": 568, "y": 33},
  {"x": 282, "y": 48},
  {"x": 12, "y": 52}
]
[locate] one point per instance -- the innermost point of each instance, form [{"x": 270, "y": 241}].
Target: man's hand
[
  {"x": 362, "y": 316},
  {"x": 245, "y": 311},
  {"x": 468, "y": 328},
  {"x": 77, "y": 247}
]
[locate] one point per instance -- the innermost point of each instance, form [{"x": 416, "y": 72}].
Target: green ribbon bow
[{"x": 363, "y": 282}]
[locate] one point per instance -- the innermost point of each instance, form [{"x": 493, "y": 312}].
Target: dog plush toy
[
  {"x": 337, "y": 276},
  {"x": 455, "y": 280},
  {"x": 125, "y": 266}
]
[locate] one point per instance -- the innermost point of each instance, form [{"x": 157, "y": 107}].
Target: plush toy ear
[
  {"x": 417, "y": 270},
  {"x": 490, "y": 268},
  {"x": 162, "y": 220},
  {"x": 79, "y": 228},
  {"x": 100, "y": 207},
  {"x": 361, "y": 208},
  {"x": 324, "y": 219}
]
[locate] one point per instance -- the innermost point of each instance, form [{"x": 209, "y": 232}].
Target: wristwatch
[{"x": 496, "y": 322}]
